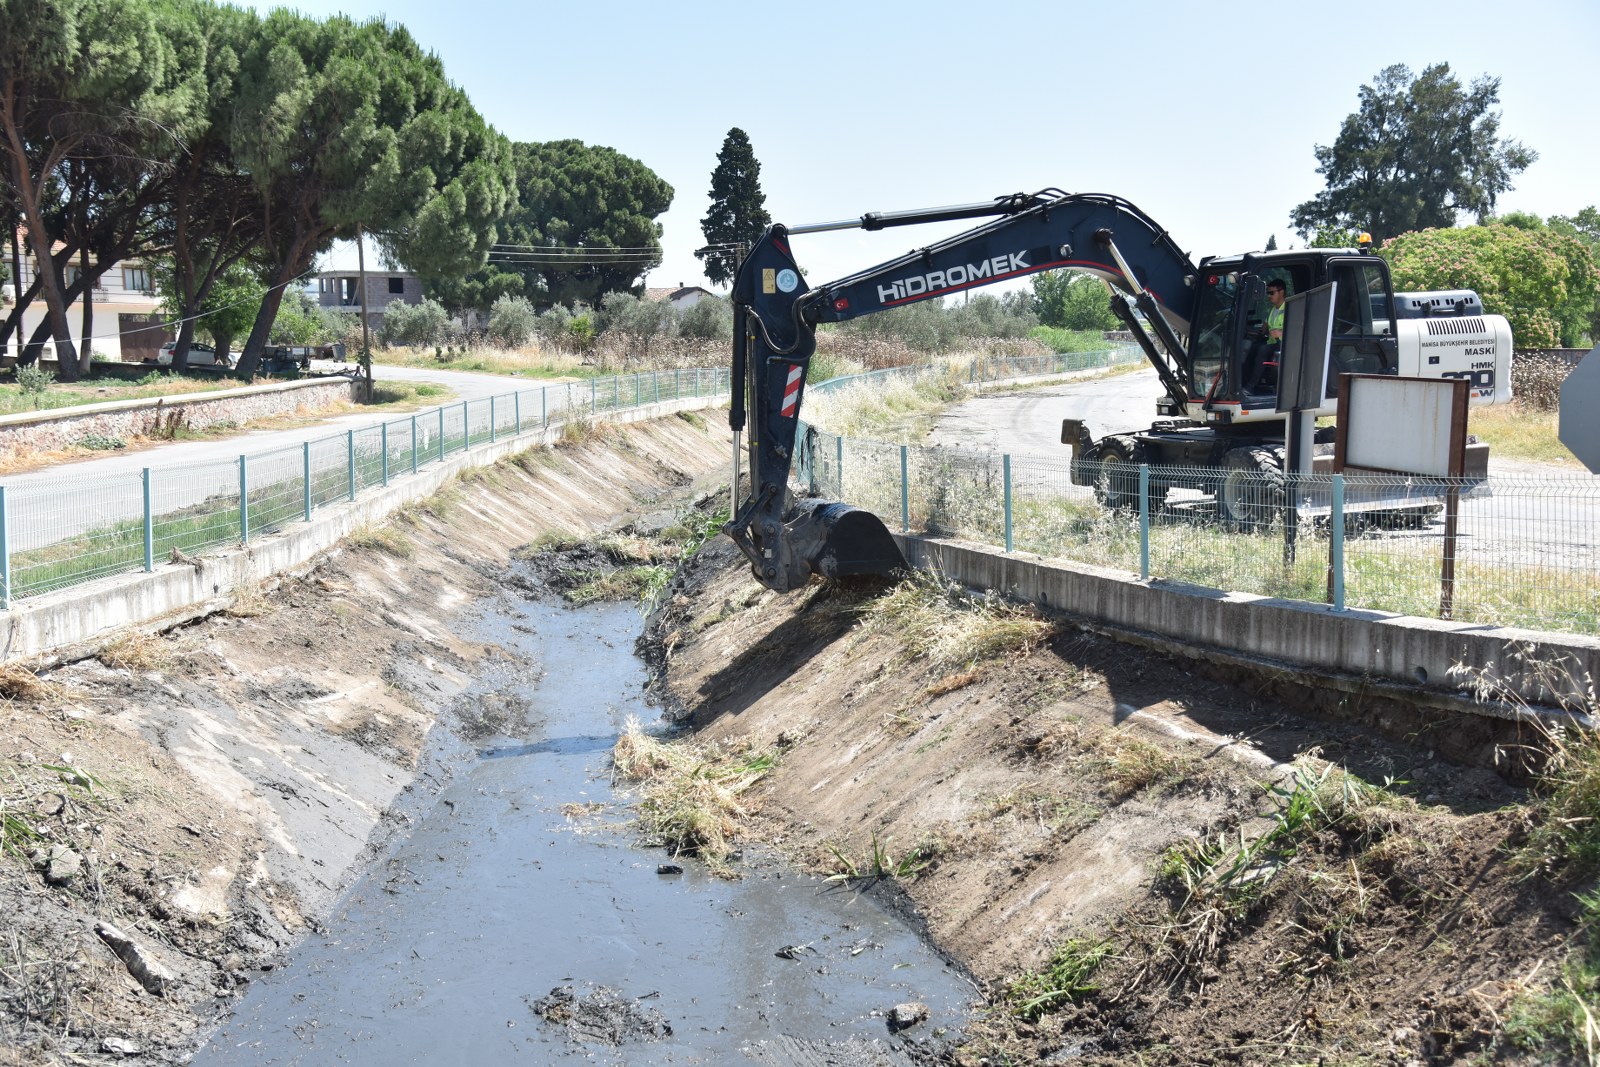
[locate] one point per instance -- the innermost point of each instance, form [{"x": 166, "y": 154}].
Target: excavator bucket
[{"x": 836, "y": 540}]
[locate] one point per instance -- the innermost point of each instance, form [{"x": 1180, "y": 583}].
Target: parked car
[{"x": 200, "y": 355}]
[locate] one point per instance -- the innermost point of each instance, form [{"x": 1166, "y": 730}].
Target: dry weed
[
  {"x": 138, "y": 652},
  {"x": 249, "y": 602},
  {"x": 692, "y": 794},
  {"x": 385, "y": 539},
  {"x": 19, "y": 683},
  {"x": 952, "y": 629}
]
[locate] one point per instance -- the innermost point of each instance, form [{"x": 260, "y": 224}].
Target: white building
[{"x": 127, "y": 316}]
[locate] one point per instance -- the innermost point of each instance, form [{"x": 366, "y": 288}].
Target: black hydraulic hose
[{"x": 736, "y": 387}]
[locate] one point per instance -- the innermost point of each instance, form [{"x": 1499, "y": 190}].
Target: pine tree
[
  {"x": 738, "y": 214},
  {"x": 1272, "y": 243}
]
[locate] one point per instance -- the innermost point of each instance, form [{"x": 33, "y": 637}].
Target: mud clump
[{"x": 603, "y": 1016}]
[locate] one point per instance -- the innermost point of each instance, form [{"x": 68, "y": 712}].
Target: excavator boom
[{"x": 776, "y": 315}]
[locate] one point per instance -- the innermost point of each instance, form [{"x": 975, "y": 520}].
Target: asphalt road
[{"x": 69, "y": 498}]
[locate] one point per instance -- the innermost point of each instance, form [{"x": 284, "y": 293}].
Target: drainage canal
[{"x": 500, "y": 928}]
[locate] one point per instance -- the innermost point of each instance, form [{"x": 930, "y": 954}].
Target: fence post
[
  {"x": 516, "y": 409},
  {"x": 568, "y": 408},
  {"x": 413, "y": 444},
  {"x": 5, "y": 551},
  {"x": 697, "y": 381},
  {"x": 905, "y": 492},
  {"x": 492, "y": 434},
  {"x": 466, "y": 426},
  {"x": 149, "y": 526},
  {"x": 655, "y": 382},
  {"x": 1144, "y": 522},
  {"x": 1336, "y": 545},
  {"x": 593, "y": 387},
  {"x": 677, "y": 383},
  {"x": 244, "y": 500},
  {"x": 544, "y": 405},
  {"x": 441, "y": 433},
  {"x": 350, "y": 455},
  {"x": 636, "y": 392},
  {"x": 838, "y": 465},
  {"x": 383, "y": 436},
  {"x": 305, "y": 464},
  {"x": 1005, "y": 471}
]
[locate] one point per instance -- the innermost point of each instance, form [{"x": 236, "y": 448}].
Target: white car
[{"x": 200, "y": 355}]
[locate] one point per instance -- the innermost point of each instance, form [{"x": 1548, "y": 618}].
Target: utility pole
[{"x": 366, "y": 340}]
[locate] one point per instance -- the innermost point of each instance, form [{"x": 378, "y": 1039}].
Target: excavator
[{"x": 1202, "y": 327}]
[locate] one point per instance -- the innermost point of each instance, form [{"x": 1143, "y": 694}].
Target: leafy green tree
[
  {"x": 1070, "y": 300},
  {"x": 1333, "y": 237},
  {"x": 299, "y": 320},
  {"x": 584, "y": 223},
  {"x": 1544, "y": 282},
  {"x": 79, "y": 80},
  {"x": 344, "y": 126},
  {"x": 226, "y": 311},
  {"x": 1584, "y": 227},
  {"x": 639, "y": 323},
  {"x": 1418, "y": 152},
  {"x": 738, "y": 213}
]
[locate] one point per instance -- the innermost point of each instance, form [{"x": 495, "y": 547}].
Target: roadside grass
[
  {"x": 895, "y": 408},
  {"x": 1520, "y": 432},
  {"x": 519, "y": 362},
  {"x": 402, "y": 394},
  {"x": 691, "y": 792},
  {"x": 17, "y": 682},
  {"x": 15, "y": 399}
]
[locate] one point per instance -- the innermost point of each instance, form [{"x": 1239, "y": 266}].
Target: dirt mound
[{"x": 1143, "y": 863}]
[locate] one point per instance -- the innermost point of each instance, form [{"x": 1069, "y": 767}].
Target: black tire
[
  {"x": 1251, "y": 495},
  {"x": 1116, "y": 482}
]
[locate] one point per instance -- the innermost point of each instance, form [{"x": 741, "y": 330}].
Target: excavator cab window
[
  {"x": 1362, "y": 328},
  {"x": 1213, "y": 330}
]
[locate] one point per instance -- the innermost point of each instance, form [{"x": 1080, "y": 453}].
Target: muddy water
[{"x": 496, "y": 896}]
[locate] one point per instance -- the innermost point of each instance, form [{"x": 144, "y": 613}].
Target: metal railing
[
  {"x": 1524, "y": 551},
  {"x": 73, "y": 529}
]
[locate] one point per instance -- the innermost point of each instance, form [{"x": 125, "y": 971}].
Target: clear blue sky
[{"x": 1204, "y": 116}]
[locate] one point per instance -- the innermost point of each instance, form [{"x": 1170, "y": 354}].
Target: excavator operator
[{"x": 1266, "y": 341}]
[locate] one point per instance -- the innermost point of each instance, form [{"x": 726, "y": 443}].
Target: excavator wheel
[
  {"x": 1252, "y": 494},
  {"x": 1116, "y": 483}
]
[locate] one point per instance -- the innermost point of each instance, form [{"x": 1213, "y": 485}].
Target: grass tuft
[
  {"x": 1062, "y": 980},
  {"x": 385, "y": 539},
  {"x": 692, "y": 792},
  {"x": 952, "y": 629},
  {"x": 138, "y": 652}
]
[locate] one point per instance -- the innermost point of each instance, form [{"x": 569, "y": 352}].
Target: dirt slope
[
  {"x": 207, "y": 792},
  {"x": 1239, "y": 896}
]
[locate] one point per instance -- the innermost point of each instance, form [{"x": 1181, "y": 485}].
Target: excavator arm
[{"x": 776, "y": 316}]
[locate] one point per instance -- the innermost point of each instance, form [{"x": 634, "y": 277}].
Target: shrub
[
  {"x": 511, "y": 321},
  {"x": 34, "y": 380},
  {"x": 709, "y": 320},
  {"x": 426, "y": 323}
]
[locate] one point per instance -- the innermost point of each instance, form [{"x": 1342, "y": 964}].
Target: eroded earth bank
[
  {"x": 1140, "y": 859},
  {"x": 1124, "y": 857}
]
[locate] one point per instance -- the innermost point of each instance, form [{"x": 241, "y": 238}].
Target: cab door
[{"x": 1363, "y": 319}]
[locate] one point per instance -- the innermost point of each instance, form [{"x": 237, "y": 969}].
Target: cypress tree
[{"x": 738, "y": 214}]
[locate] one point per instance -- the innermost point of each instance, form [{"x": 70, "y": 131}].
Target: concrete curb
[
  {"x": 61, "y": 625},
  {"x": 1419, "y": 658}
]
